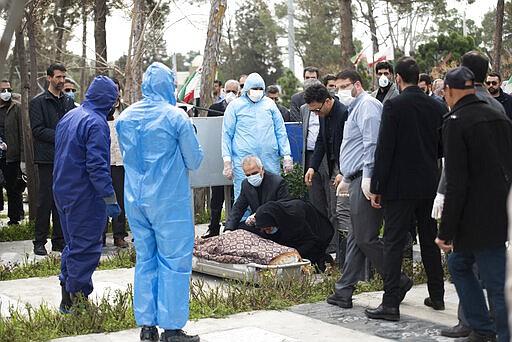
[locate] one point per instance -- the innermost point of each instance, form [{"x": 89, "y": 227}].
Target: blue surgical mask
[
  {"x": 71, "y": 94},
  {"x": 255, "y": 180}
]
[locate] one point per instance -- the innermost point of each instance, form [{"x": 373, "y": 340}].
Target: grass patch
[
  {"x": 50, "y": 265},
  {"x": 23, "y": 231}
]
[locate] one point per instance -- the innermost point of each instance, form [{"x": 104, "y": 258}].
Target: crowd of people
[{"x": 413, "y": 152}]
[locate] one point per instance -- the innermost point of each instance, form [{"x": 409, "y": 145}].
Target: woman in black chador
[{"x": 296, "y": 224}]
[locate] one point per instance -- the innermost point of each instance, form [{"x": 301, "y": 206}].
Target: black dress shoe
[
  {"x": 13, "y": 223},
  {"x": 383, "y": 312},
  {"x": 40, "y": 250},
  {"x": 476, "y": 337},
  {"x": 460, "y": 330},
  {"x": 434, "y": 304},
  {"x": 210, "y": 233},
  {"x": 345, "y": 303},
  {"x": 405, "y": 286},
  {"x": 58, "y": 246}
]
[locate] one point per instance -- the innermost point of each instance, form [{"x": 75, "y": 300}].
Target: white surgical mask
[
  {"x": 5, "y": 96},
  {"x": 255, "y": 180},
  {"x": 255, "y": 95},
  {"x": 230, "y": 97},
  {"x": 345, "y": 96},
  {"x": 383, "y": 81}
]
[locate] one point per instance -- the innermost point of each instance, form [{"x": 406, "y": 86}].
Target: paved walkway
[{"x": 307, "y": 322}]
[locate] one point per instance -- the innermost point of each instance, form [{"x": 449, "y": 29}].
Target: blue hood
[
  {"x": 158, "y": 83},
  {"x": 101, "y": 95},
  {"x": 253, "y": 80}
]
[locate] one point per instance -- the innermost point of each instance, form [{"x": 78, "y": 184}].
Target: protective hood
[
  {"x": 158, "y": 83},
  {"x": 253, "y": 80},
  {"x": 101, "y": 96}
]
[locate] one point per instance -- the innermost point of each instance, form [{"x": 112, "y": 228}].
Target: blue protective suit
[
  {"x": 252, "y": 128},
  {"x": 159, "y": 146},
  {"x": 81, "y": 180}
]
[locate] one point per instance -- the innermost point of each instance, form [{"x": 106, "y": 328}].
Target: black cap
[{"x": 457, "y": 78}]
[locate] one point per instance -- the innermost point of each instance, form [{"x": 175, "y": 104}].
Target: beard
[{"x": 493, "y": 91}]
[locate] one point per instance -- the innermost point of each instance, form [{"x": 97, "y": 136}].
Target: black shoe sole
[
  {"x": 392, "y": 318},
  {"x": 431, "y": 304},
  {"x": 343, "y": 305}
]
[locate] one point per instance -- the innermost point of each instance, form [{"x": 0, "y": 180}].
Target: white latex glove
[
  {"x": 365, "y": 186},
  {"x": 437, "y": 207},
  {"x": 3, "y": 146},
  {"x": 23, "y": 168},
  {"x": 228, "y": 170},
  {"x": 287, "y": 164},
  {"x": 251, "y": 220},
  {"x": 342, "y": 189}
]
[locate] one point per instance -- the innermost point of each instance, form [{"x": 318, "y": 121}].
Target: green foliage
[
  {"x": 443, "y": 49},
  {"x": 50, "y": 265},
  {"x": 43, "y": 323},
  {"x": 289, "y": 84},
  {"x": 315, "y": 33},
  {"x": 253, "y": 46},
  {"x": 154, "y": 42},
  {"x": 23, "y": 231},
  {"x": 452, "y": 21},
  {"x": 295, "y": 179},
  {"x": 489, "y": 27}
]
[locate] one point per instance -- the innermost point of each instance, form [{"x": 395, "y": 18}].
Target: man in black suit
[
  {"x": 232, "y": 88},
  {"x": 297, "y": 100},
  {"x": 404, "y": 182},
  {"x": 258, "y": 188},
  {"x": 478, "y": 139}
]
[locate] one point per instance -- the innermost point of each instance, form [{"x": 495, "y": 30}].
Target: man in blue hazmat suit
[
  {"x": 253, "y": 125},
  {"x": 159, "y": 146},
  {"x": 82, "y": 187}
]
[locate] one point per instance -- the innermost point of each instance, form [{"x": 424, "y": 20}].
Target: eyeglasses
[
  {"x": 6, "y": 90},
  {"x": 67, "y": 90},
  {"x": 318, "y": 109},
  {"x": 232, "y": 91},
  {"x": 346, "y": 85},
  {"x": 491, "y": 83},
  {"x": 385, "y": 73}
]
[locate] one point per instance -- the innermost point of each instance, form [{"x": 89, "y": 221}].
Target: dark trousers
[
  {"x": 398, "y": 215},
  {"x": 45, "y": 207},
  {"x": 119, "y": 223},
  {"x": 14, "y": 189},
  {"x": 216, "y": 202},
  {"x": 491, "y": 266}
]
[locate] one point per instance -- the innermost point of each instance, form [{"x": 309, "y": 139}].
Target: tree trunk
[
  {"x": 498, "y": 36},
  {"x": 83, "y": 75},
  {"x": 33, "y": 49},
  {"x": 25, "y": 122},
  {"x": 347, "y": 46},
  {"x": 60, "y": 16},
  {"x": 100, "y": 37},
  {"x": 133, "y": 69},
  {"x": 211, "y": 51},
  {"x": 373, "y": 26}
]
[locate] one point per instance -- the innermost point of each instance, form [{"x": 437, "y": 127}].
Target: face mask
[
  {"x": 229, "y": 97},
  {"x": 5, "y": 96},
  {"x": 255, "y": 180},
  {"x": 71, "y": 94},
  {"x": 273, "y": 231},
  {"x": 345, "y": 96},
  {"x": 255, "y": 95},
  {"x": 383, "y": 81}
]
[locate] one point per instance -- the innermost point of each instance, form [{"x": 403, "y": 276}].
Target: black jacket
[
  {"x": 477, "y": 140},
  {"x": 217, "y": 107},
  {"x": 272, "y": 188},
  {"x": 506, "y": 101},
  {"x": 45, "y": 112},
  {"x": 408, "y": 147},
  {"x": 13, "y": 133},
  {"x": 297, "y": 100},
  {"x": 337, "y": 117}
]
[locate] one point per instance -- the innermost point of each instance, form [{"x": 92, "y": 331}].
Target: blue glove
[{"x": 113, "y": 210}]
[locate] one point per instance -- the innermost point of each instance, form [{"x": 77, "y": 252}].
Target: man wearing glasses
[
  {"x": 387, "y": 89},
  {"x": 273, "y": 94},
  {"x": 493, "y": 83},
  {"x": 332, "y": 116}
]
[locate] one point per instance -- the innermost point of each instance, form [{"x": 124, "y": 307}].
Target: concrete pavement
[{"x": 306, "y": 322}]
